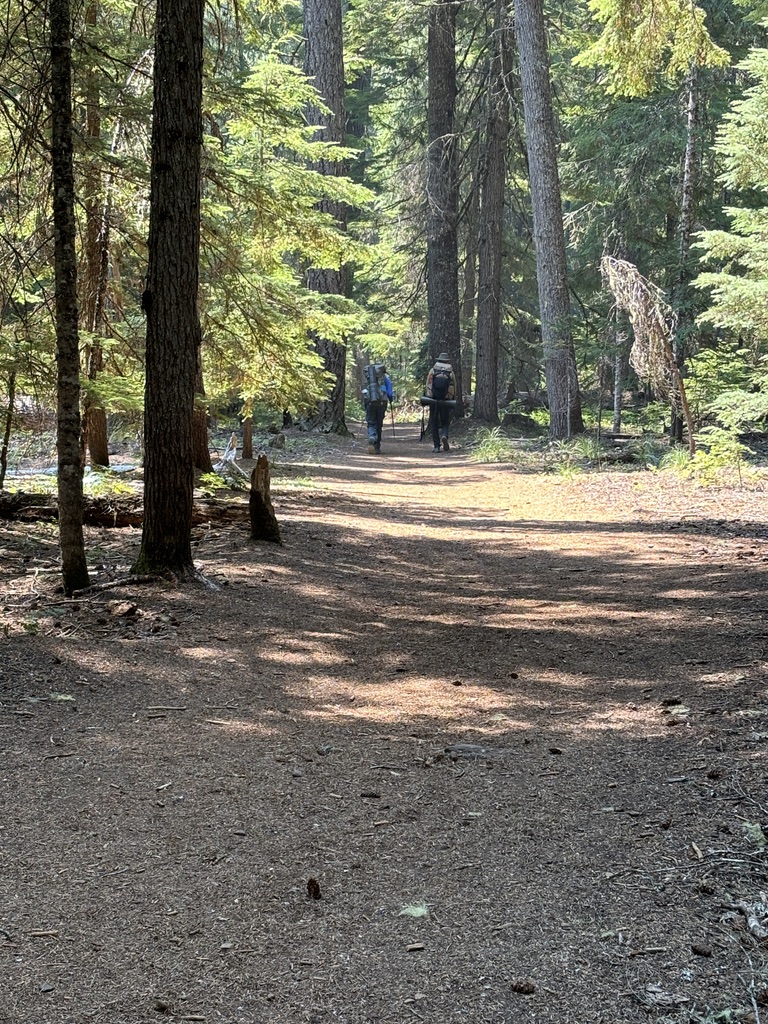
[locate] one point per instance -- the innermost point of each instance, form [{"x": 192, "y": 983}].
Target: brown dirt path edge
[{"x": 533, "y": 708}]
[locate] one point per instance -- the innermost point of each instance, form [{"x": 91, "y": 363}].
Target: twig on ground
[{"x": 121, "y": 581}]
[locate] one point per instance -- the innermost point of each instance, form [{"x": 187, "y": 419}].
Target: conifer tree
[
  {"x": 96, "y": 262},
  {"x": 493, "y": 179},
  {"x": 171, "y": 294},
  {"x": 70, "y": 473},
  {"x": 443, "y": 188},
  {"x": 736, "y": 274},
  {"x": 324, "y": 66},
  {"x": 552, "y": 275}
]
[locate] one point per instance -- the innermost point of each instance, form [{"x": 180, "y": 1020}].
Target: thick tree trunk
[
  {"x": 549, "y": 237},
  {"x": 70, "y": 472},
  {"x": 324, "y": 64},
  {"x": 170, "y": 298},
  {"x": 486, "y": 405},
  {"x": 443, "y": 191}
]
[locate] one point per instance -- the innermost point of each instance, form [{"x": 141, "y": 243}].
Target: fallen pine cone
[
  {"x": 313, "y": 889},
  {"x": 525, "y": 988}
]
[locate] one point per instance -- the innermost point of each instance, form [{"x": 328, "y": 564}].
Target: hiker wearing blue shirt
[{"x": 377, "y": 393}]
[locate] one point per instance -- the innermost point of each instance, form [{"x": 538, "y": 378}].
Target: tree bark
[
  {"x": 170, "y": 298},
  {"x": 443, "y": 191},
  {"x": 549, "y": 237},
  {"x": 324, "y": 65},
  {"x": 95, "y": 432},
  {"x": 248, "y": 437},
  {"x": 470, "y": 287},
  {"x": 7, "y": 427},
  {"x": 486, "y": 404},
  {"x": 70, "y": 472},
  {"x": 201, "y": 452},
  {"x": 685, "y": 228},
  {"x": 264, "y": 525},
  {"x": 96, "y": 258}
]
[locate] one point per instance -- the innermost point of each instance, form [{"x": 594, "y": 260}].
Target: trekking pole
[{"x": 392, "y": 412}]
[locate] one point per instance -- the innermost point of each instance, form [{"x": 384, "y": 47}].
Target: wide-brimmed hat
[{"x": 443, "y": 358}]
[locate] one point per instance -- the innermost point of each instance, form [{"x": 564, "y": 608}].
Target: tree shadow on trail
[
  {"x": 526, "y": 730},
  {"x": 358, "y": 590}
]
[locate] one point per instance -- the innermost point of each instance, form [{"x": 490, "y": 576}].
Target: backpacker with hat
[{"x": 442, "y": 377}]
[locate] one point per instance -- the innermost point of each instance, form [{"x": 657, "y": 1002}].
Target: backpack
[
  {"x": 375, "y": 382},
  {"x": 441, "y": 383}
]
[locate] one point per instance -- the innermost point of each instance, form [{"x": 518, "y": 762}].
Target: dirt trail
[{"x": 513, "y": 726}]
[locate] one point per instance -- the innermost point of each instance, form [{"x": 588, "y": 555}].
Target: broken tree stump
[{"x": 264, "y": 525}]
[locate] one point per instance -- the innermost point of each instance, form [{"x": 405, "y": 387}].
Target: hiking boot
[
  {"x": 446, "y": 446},
  {"x": 377, "y": 450},
  {"x": 371, "y": 449},
  {"x": 437, "y": 448}
]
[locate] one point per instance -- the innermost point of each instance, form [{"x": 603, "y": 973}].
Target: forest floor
[{"x": 510, "y": 727}]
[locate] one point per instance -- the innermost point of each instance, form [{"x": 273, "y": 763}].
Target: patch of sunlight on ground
[
  {"x": 302, "y": 654},
  {"x": 203, "y": 653},
  {"x": 639, "y": 720},
  {"x": 239, "y": 727},
  {"x": 688, "y": 594}
]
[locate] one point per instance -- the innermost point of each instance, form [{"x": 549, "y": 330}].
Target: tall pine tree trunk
[
  {"x": 443, "y": 190},
  {"x": 486, "y": 406},
  {"x": 549, "y": 237},
  {"x": 170, "y": 298},
  {"x": 469, "y": 298},
  {"x": 70, "y": 473},
  {"x": 96, "y": 258},
  {"x": 324, "y": 65},
  {"x": 687, "y": 210}
]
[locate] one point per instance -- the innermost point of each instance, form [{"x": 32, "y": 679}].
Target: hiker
[
  {"x": 441, "y": 387},
  {"x": 377, "y": 393}
]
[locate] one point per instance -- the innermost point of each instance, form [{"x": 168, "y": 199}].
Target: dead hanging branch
[
  {"x": 654, "y": 322},
  {"x": 228, "y": 465}
]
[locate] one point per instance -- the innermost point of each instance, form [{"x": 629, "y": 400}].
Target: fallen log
[{"x": 118, "y": 512}]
